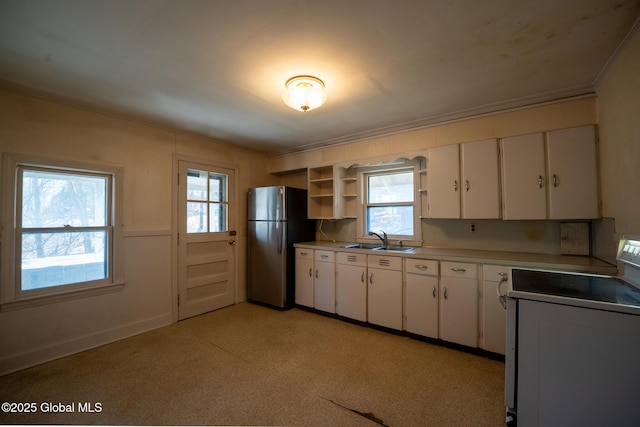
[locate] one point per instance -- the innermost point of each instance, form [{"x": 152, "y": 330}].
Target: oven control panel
[{"x": 629, "y": 251}]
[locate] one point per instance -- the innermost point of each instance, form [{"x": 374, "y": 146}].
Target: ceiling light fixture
[{"x": 304, "y": 93}]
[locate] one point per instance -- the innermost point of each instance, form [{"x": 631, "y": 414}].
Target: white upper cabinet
[
  {"x": 463, "y": 180},
  {"x": 480, "y": 179},
  {"x": 443, "y": 182},
  {"x": 573, "y": 173},
  {"x": 523, "y": 177},
  {"x": 555, "y": 180}
]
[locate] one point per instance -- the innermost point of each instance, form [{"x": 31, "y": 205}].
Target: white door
[
  {"x": 324, "y": 297},
  {"x": 443, "y": 182},
  {"x": 304, "y": 277},
  {"x": 573, "y": 173},
  {"x": 480, "y": 179},
  {"x": 524, "y": 189},
  {"x": 351, "y": 291},
  {"x": 206, "y": 238},
  {"x": 384, "y": 298}
]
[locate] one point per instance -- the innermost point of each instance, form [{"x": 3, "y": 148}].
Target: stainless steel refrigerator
[{"x": 277, "y": 219}]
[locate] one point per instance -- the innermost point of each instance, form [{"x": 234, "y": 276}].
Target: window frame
[
  {"x": 12, "y": 295},
  {"x": 363, "y": 220}
]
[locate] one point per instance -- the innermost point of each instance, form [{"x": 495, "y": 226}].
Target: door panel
[
  {"x": 267, "y": 261},
  {"x": 206, "y": 242}
]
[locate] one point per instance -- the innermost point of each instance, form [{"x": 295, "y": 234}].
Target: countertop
[{"x": 570, "y": 263}]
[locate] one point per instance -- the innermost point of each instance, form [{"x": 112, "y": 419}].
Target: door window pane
[
  {"x": 196, "y": 185},
  {"x": 218, "y": 188},
  {"x": 207, "y": 202},
  {"x": 197, "y": 217}
]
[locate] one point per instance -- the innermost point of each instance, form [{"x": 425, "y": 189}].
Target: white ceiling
[{"x": 218, "y": 68}]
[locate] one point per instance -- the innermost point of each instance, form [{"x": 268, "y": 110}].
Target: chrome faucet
[{"x": 385, "y": 239}]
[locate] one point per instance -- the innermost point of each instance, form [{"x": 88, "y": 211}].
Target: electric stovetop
[{"x": 605, "y": 289}]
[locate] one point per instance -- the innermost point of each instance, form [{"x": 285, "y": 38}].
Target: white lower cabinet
[
  {"x": 384, "y": 298},
  {"x": 304, "y": 277},
  {"x": 494, "y": 316},
  {"x": 324, "y": 278},
  {"x": 351, "y": 285},
  {"x": 459, "y": 303},
  {"x": 421, "y": 297}
]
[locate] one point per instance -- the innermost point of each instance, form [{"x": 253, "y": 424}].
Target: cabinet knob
[
  {"x": 444, "y": 293},
  {"x": 433, "y": 291},
  {"x": 316, "y": 274},
  {"x": 362, "y": 277},
  {"x": 371, "y": 278}
]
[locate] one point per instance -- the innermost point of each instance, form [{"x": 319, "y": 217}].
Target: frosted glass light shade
[{"x": 304, "y": 93}]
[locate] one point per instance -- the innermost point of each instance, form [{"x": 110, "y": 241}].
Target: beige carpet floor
[{"x": 252, "y": 365}]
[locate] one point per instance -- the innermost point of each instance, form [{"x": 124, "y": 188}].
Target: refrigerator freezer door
[
  {"x": 266, "y": 204},
  {"x": 267, "y": 262}
]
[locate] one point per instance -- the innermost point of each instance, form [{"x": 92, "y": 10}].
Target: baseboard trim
[{"x": 17, "y": 362}]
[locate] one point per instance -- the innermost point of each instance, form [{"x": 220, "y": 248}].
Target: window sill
[{"x": 35, "y": 301}]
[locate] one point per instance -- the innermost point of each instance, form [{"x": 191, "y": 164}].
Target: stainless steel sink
[
  {"x": 394, "y": 248},
  {"x": 377, "y": 247},
  {"x": 363, "y": 246}
]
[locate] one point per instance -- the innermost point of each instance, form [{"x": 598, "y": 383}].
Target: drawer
[
  {"x": 385, "y": 262},
  {"x": 494, "y": 273},
  {"x": 325, "y": 256},
  {"x": 351, "y": 258},
  {"x": 459, "y": 269},
  {"x": 304, "y": 253},
  {"x": 426, "y": 267}
]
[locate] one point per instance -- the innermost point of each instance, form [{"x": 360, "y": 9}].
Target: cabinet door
[
  {"x": 421, "y": 305},
  {"x": 324, "y": 287},
  {"x": 480, "y": 179},
  {"x": 573, "y": 174},
  {"x": 459, "y": 310},
  {"x": 351, "y": 292},
  {"x": 385, "y": 298},
  {"x": 304, "y": 280},
  {"x": 443, "y": 182},
  {"x": 494, "y": 315},
  {"x": 524, "y": 192}
]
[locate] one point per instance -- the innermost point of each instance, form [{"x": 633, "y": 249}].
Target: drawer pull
[
  {"x": 459, "y": 270},
  {"x": 324, "y": 256},
  {"x": 421, "y": 267},
  {"x": 362, "y": 277},
  {"x": 303, "y": 254},
  {"x": 445, "y": 293},
  {"x": 433, "y": 291}
]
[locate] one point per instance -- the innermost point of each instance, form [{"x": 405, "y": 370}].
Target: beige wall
[
  {"x": 146, "y": 153},
  {"x": 552, "y": 116},
  {"x": 619, "y": 118}
]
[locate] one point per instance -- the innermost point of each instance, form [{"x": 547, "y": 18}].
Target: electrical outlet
[{"x": 472, "y": 227}]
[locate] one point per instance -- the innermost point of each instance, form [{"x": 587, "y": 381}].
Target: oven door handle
[{"x": 502, "y": 298}]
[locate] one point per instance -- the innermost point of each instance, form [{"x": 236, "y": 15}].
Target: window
[
  {"x": 64, "y": 234},
  {"x": 390, "y": 202},
  {"x": 207, "y": 202}
]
